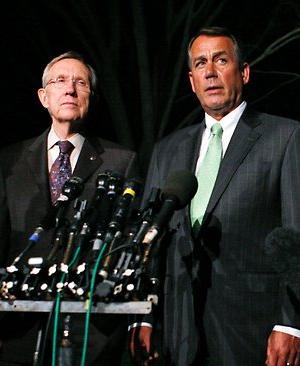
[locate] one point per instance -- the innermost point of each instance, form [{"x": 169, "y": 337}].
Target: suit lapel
[
  {"x": 38, "y": 163},
  {"x": 89, "y": 159},
  {"x": 186, "y": 159},
  {"x": 188, "y": 149},
  {"x": 244, "y": 138}
]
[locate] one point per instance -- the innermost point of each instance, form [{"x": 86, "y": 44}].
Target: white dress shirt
[
  {"x": 228, "y": 123},
  {"x": 53, "y": 150}
]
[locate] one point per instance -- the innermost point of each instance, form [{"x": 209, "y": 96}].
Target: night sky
[{"x": 138, "y": 51}]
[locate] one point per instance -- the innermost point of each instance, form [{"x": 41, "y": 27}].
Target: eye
[
  {"x": 60, "y": 80},
  {"x": 199, "y": 63},
  {"x": 222, "y": 61},
  {"x": 81, "y": 82}
]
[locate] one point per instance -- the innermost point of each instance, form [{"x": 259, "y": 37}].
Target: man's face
[
  {"x": 67, "y": 93},
  {"x": 215, "y": 75}
]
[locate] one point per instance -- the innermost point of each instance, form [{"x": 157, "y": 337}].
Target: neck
[
  {"x": 218, "y": 114},
  {"x": 63, "y": 130}
]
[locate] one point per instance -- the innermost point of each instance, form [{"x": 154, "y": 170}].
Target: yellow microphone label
[{"x": 129, "y": 191}]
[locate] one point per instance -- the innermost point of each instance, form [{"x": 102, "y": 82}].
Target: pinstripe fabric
[{"x": 223, "y": 283}]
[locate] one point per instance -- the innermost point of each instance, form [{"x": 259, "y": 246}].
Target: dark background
[{"x": 138, "y": 49}]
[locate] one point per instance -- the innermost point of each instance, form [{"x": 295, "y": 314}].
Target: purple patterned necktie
[{"x": 61, "y": 169}]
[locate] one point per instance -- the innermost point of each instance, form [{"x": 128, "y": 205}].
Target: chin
[
  {"x": 217, "y": 107},
  {"x": 69, "y": 117}
]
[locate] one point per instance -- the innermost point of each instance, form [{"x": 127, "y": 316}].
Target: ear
[
  {"x": 43, "y": 97},
  {"x": 246, "y": 73},
  {"x": 192, "y": 81}
]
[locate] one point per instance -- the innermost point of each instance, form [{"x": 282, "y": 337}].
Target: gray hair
[
  {"x": 76, "y": 56},
  {"x": 216, "y": 32}
]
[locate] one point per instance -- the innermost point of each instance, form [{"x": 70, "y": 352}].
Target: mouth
[
  {"x": 69, "y": 104},
  {"x": 212, "y": 88}
]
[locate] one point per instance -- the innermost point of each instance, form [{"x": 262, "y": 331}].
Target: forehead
[
  {"x": 69, "y": 66},
  {"x": 206, "y": 45}
]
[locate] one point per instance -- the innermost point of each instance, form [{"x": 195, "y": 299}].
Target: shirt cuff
[
  {"x": 139, "y": 324},
  {"x": 288, "y": 330}
]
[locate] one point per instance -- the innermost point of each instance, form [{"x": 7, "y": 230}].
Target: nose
[
  {"x": 70, "y": 86},
  {"x": 210, "y": 70}
]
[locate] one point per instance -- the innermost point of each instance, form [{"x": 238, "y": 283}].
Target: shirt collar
[
  {"x": 77, "y": 140},
  {"x": 228, "y": 120}
]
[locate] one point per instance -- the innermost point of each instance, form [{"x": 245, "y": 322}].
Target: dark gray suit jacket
[
  {"x": 222, "y": 292},
  {"x": 24, "y": 201}
]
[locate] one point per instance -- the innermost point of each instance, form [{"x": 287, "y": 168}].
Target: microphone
[
  {"x": 128, "y": 266},
  {"x": 179, "y": 189},
  {"x": 113, "y": 236},
  {"x": 54, "y": 218},
  {"x": 85, "y": 218},
  {"x": 106, "y": 208},
  {"x": 103, "y": 184},
  {"x": 108, "y": 185},
  {"x": 71, "y": 189},
  {"x": 282, "y": 245},
  {"x": 99, "y": 212},
  {"x": 101, "y": 187},
  {"x": 80, "y": 207},
  {"x": 131, "y": 189},
  {"x": 146, "y": 216}
]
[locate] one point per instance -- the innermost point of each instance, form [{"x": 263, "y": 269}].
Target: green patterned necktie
[{"x": 206, "y": 176}]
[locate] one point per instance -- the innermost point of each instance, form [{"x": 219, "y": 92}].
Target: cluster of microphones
[{"x": 105, "y": 246}]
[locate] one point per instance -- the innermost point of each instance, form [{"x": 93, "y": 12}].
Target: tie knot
[
  {"x": 65, "y": 147},
  {"x": 217, "y": 129}
]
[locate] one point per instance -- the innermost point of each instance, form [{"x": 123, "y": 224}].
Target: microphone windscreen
[
  {"x": 72, "y": 188},
  {"x": 183, "y": 185}
]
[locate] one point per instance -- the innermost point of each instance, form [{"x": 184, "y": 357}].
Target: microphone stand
[{"x": 65, "y": 351}]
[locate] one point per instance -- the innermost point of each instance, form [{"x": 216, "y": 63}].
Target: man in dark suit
[
  {"x": 224, "y": 302},
  {"x": 69, "y": 84}
]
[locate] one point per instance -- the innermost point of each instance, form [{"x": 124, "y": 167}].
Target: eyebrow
[
  {"x": 62, "y": 75},
  {"x": 214, "y": 55}
]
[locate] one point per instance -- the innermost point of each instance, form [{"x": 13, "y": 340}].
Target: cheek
[
  {"x": 53, "y": 104},
  {"x": 232, "y": 80},
  {"x": 198, "y": 86},
  {"x": 85, "y": 104}
]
